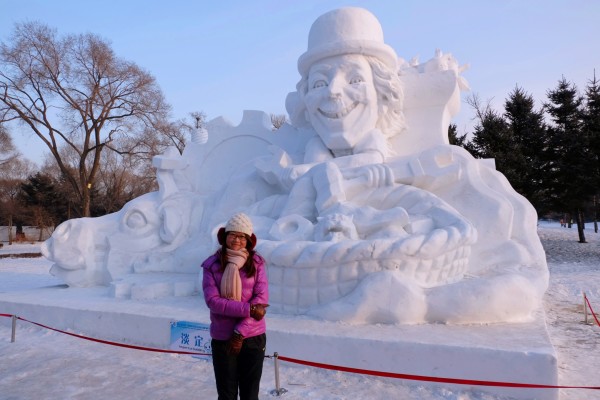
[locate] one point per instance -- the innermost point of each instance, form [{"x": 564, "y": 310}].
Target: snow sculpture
[{"x": 363, "y": 210}]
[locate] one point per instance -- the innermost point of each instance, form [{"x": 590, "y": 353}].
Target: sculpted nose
[{"x": 335, "y": 88}]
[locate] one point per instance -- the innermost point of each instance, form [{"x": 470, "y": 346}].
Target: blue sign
[{"x": 191, "y": 336}]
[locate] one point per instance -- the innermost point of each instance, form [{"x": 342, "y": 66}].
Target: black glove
[
  {"x": 258, "y": 311},
  {"x": 234, "y": 345}
]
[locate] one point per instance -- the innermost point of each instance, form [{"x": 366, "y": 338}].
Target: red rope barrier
[
  {"x": 129, "y": 346},
  {"x": 332, "y": 367},
  {"x": 591, "y": 309},
  {"x": 431, "y": 378}
]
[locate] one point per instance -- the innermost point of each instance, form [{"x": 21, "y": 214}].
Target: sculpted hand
[
  {"x": 234, "y": 345},
  {"x": 258, "y": 311},
  {"x": 368, "y": 176}
]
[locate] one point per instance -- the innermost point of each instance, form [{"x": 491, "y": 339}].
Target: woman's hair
[
  {"x": 389, "y": 95},
  {"x": 249, "y": 268}
]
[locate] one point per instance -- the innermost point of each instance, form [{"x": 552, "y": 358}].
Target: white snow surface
[{"x": 43, "y": 364}]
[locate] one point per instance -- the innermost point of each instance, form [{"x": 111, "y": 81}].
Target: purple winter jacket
[{"x": 227, "y": 315}]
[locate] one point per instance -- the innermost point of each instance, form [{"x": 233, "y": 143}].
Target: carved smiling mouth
[{"x": 338, "y": 114}]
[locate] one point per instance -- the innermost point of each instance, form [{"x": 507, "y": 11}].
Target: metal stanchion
[
  {"x": 278, "y": 390},
  {"x": 14, "y": 329},
  {"x": 585, "y": 310}
]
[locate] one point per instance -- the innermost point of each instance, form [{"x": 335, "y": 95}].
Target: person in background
[{"x": 235, "y": 288}]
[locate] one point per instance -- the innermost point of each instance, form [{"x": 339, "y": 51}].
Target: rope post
[
  {"x": 14, "y": 329},
  {"x": 278, "y": 390},
  {"x": 585, "y": 310}
]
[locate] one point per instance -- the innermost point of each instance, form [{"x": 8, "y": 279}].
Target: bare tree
[
  {"x": 119, "y": 183},
  {"x": 73, "y": 92},
  {"x": 12, "y": 172},
  {"x": 480, "y": 107},
  {"x": 11, "y": 176},
  {"x": 141, "y": 149},
  {"x": 278, "y": 120},
  {"x": 8, "y": 152}
]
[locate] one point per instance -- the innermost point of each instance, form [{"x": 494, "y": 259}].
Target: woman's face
[
  {"x": 341, "y": 100},
  {"x": 235, "y": 240}
]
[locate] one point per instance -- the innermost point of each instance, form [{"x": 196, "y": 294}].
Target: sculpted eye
[
  {"x": 136, "y": 220},
  {"x": 356, "y": 79},
  {"x": 319, "y": 84},
  {"x": 141, "y": 219}
]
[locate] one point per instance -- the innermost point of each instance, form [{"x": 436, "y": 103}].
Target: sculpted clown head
[
  {"x": 349, "y": 82},
  {"x": 340, "y": 100}
]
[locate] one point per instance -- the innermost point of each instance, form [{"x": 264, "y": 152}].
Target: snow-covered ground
[{"x": 42, "y": 364}]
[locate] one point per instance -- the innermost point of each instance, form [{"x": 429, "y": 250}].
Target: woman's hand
[
  {"x": 258, "y": 311},
  {"x": 234, "y": 345}
]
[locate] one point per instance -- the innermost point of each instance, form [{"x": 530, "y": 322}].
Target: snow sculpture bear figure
[{"x": 363, "y": 210}]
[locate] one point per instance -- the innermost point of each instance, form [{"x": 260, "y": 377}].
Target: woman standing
[{"x": 236, "y": 292}]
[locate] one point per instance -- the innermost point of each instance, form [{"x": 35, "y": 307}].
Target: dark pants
[{"x": 243, "y": 371}]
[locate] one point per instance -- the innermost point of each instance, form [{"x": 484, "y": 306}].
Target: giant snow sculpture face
[{"x": 341, "y": 100}]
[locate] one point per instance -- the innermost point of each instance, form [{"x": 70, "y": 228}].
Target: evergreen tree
[
  {"x": 568, "y": 153},
  {"x": 591, "y": 123},
  {"x": 492, "y": 138},
  {"x": 461, "y": 141},
  {"x": 528, "y": 137},
  {"x": 453, "y": 137}
]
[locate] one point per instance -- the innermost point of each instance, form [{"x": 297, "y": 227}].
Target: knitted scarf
[{"x": 231, "y": 283}]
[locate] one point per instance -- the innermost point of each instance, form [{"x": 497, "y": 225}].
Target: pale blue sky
[{"x": 223, "y": 57}]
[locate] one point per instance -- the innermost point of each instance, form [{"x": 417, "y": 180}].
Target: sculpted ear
[{"x": 171, "y": 224}]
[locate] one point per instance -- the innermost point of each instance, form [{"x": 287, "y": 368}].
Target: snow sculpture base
[
  {"x": 519, "y": 353},
  {"x": 504, "y": 352}
]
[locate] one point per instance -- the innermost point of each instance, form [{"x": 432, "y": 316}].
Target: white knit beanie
[{"x": 239, "y": 222}]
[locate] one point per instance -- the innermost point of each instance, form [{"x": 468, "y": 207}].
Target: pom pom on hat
[{"x": 239, "y": 222}]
